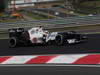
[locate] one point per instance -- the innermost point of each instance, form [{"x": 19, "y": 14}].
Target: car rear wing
[{"x": 15, "y": 32}]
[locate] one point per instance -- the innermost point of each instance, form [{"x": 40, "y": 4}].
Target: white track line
[{"x": 50, "y": 65}]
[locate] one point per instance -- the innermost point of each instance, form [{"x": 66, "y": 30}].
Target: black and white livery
[{"x": 37, "y": 35}]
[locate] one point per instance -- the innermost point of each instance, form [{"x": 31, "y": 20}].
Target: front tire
[{"x": 59, "y": 40}]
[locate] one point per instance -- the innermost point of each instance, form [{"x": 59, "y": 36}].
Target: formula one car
[{"x": 37, "y": 35}]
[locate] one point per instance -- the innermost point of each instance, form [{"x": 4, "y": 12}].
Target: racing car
[{"x": 37, "y": 35}]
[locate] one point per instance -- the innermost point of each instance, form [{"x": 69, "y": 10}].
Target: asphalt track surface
[
  {"x": 51, "y": 70},
  {"x": 91, "y": 46}
]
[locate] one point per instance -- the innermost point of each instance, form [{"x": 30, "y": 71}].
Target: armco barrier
[{"x": 52, "y": 59}]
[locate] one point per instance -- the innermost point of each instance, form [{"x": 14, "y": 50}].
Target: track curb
[{"x": 51, "y": 59}]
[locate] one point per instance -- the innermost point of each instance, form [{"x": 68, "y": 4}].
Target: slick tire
[
  {"x": 13, "y": 42},
  {"x": 59, "y": 40}
]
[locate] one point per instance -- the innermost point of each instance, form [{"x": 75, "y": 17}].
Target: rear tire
[{"x": 13, "y": 42}]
